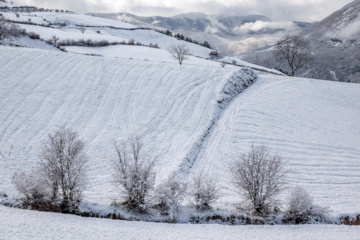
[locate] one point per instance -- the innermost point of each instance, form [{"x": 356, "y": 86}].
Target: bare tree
[
  {"x": 134, "y": 174},
  {"x": 9, "y": 30},
  {"x": 259, "y": 177},
  {"x": 295, "y": 50},
  {"x": 169, "y": 195},
  {"x": 82, "y": 29},
  {"x": 204, "y": 190},
  {"x": 54, "y": 40},
  {"x": 179, "y": 52},
  {"x": 63, "y": 163}
]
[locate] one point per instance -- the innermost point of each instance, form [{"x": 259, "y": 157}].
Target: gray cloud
[{"x": 280, "y": 10}]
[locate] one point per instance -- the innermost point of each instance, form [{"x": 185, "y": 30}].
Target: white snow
[
  {"x": 312, "y": 124},
  {"x": 153, "y": 55},
  {"x": 136, "y": 90},
  {"x": 105, "y": 100},
  {"x": 96, "y": 29},
  {"x": 25, "y": 224},
  {"x": 68, "y": 18}
]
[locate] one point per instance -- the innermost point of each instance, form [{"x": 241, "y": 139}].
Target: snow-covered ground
[
  {"x": 96, "y": 29},
  {"x": 153, "y": 55},
  {"x": 313, "y": 125},
  {"x": 136, "y": 90},
  {"x": 25, "y": 224},
  {"x": 105, "y": 100}
]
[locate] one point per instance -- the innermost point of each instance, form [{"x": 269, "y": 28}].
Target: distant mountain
[
  {"x": 227, "y": 33},
  {"x": 335, "y": 44}
]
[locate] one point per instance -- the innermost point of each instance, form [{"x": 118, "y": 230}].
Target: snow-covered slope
[
  {"x": 229, "y": 34},
  {"x": 313, "y": 125},
  {"x": 65, "y": 26},
  {"x": 310, "y": 123},
  {"x": 335, "y": 43},
  {"x": 105, "y": 100},
  {"x": 192, "y": 117}
]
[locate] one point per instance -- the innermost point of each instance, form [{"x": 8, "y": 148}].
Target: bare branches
[
  {"x": 179, "y": 52},
  {"x": 295, "y": 50},
  {"x": 169, "y": 195},
  {"x": 204, "y": 190},
  {"x": 133, "y": 173},
  {"x": 9, "y": 30},
  {"x": 259, "y": 177},
  {"x": 60, "y": 178},
  {"x": 63, "y": 162}
]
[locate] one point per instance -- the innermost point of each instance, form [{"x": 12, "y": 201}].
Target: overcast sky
[{"x": 298, "y": 10}]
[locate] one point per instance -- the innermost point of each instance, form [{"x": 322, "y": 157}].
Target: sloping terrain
[
  {"x": 313, "y": 125},
  {"x": 229, "y": 34},
  {"x": 335, "y": 43},
  {"x": 195, "y": 117},
  {"x": 105, "y": 100}
]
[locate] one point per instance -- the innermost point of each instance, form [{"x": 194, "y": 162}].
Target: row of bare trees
[
  {"x": 9, "y": 30},
  {"x": 58, "y": 181}
]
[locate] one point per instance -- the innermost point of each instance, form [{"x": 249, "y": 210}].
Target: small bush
[
  {"x": 33, "y": 35},
  {"x": 203, "y": 191},
  {"x": 33, "y": 186},
  {"x": 169, "y": 194},
  {"x": 301, "y": 209},
  {"x": 131, "y": 42}
]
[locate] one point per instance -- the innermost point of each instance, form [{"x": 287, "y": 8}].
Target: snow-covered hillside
[
  {"x": 194, "y": 117},
  {"x": 335, "y": 43},
  {"x": 229, "y": 34},
  {"x": 312, "y": 124},
  {"x": 67, "y": 26},
  {"x": 106, "y": 100}
]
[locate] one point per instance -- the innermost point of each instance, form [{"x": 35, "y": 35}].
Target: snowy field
[
  {"x": 134, "y": 90},
  {"x": 105, "y": 100},
  {"x": 25, "y": 224},
  {"x": 313, "y": 125}
]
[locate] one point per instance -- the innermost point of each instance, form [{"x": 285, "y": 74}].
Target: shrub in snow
[
  {"x": 154, "y": 45},
  {"x": 259, "y": 177},
  {"x": 33, "y": 186},
  {"x": 61, "y": 176},
  {"x": 131, "y": 42},
  {"x": 302, "y": 210},
  {"x": 169, "y": 194},
  {"x": 203, "y": 191},
  {"x": 214, "y": 54},
  {"x": 133, "y": 174},
  {"x": 33, "y": 35}
]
